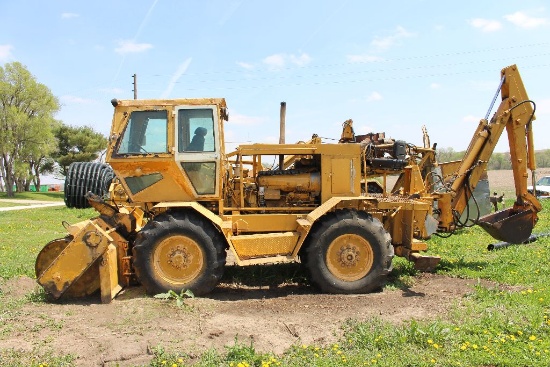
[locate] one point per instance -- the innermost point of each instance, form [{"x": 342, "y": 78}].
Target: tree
[
  {"x": 77, "y": 144},
  {"x": 543, "y": 158},
  {"x": 1, "y": 173},
  {"x": 26, "y": 123},
  {"x": 448, "y": 155}
]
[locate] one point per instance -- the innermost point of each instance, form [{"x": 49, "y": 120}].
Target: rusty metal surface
[
  {"x": 394, "y": 199},
  {"x": 85, "y": 285}
]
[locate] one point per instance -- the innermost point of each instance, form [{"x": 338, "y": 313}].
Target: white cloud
[
  {"x": 245, "y": 65},
  {"x": 5, "y": 52},
  {"x": 524, "y": 21},
  {"x": 435, "y": 86},
  {"x": 279, "y": 61},
  {"x": 486, "y": 25},
  {"x": 125, "y": 47},
  {"x": 77, "y": 100},
  {"x": 276, "y": 61},
  {"x": 69, "y": 15},
  {"x": 244, "y": 120},
  {"x": 383, "y": 43},
  {"x": 363, "y": 58},
  {"x": 301, "y": 60},
  {"x": 182, "y": 68},
  {"x": 374, "y": 96}
]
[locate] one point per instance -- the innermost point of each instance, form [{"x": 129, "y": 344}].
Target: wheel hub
[
  {"x": 349, "y": 255},
  {"x": 179, "y": 258}
]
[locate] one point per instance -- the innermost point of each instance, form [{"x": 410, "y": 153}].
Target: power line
[{"x": 349, "y": 63}]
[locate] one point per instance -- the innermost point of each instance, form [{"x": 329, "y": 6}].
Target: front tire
[
  {"x": 349, "y": 252},
  {"x": 179, "y": 251}
]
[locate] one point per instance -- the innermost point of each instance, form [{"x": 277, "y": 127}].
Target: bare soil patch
[
  {"x": 502, "y": 181},
  {"x": 272, "y": 318}
]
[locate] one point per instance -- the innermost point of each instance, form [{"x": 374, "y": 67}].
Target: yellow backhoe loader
[{"x": 177, "y": 203}]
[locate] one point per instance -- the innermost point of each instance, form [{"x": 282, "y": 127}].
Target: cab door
[{"x": 198, "y": 147}]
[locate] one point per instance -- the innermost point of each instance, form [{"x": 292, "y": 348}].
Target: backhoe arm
[{"x": 515, "y": 114}]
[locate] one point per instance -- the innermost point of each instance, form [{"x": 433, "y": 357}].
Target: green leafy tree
[
  {"x": 499, "y": 161},
  {"x": 543, "y": 158},
  {"x": 77, "y": 144},
  {"x": 448, "y": 155},
  {"x": 26, "y": 123}
]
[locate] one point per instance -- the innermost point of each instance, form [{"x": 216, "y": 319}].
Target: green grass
[
  {"x": 35, "y": 358},
  {"x": 506, "y": 324},
  {"x": 41, "y": 196},
  {"x": 24, "y": 233},
  {"x": 4, "y": 204}
]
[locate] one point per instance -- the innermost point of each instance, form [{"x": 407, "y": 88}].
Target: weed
[
  {"x": 14, "y": 358},
  {"x": 242, "y": 355},
  {"x": 38, "y": 295},
  {"x": 180, "y": 298}
]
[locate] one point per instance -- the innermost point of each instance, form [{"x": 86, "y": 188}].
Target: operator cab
[{"x": 168, "y": 150}]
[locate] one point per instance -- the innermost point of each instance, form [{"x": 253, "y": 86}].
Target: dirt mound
[{"x": 274, "y": 319}]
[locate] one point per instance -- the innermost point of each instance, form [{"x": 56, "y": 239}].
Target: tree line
[
  {"x": 497, "y": 161},
  {"x": 32, "y": 142}
]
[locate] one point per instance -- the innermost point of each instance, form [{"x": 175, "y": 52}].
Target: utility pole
[{"x": 135, "y": 86}]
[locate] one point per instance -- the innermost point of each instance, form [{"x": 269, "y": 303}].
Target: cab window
[
  {"x": 196, "y": 130},
  {"x": 146, "y": 132}
]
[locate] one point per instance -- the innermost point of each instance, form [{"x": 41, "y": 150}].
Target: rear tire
[
  {"x": 179, "y": 251},
  {"x": 349, "y": 252}
]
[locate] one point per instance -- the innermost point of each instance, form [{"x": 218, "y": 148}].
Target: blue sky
[{"x": 391, "y": 66}]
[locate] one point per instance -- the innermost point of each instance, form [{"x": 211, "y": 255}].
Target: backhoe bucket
[{"x": 509, "y": 225}]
